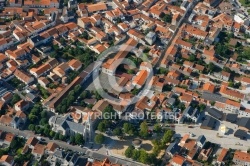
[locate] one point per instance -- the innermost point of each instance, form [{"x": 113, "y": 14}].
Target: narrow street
[{"x": 90, "y": 153}]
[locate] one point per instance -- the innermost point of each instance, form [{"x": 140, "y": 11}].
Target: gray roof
[
  {"x": 81, "y": 161},
  {"x": 171, "y": 101},
  {"x": 173, "y": 148},
  {"x": 196, "y": 113},
  {"x": 201, "y": 139},
  {"x": 215, "y": 113},
  {"x": 66, "y": 122},
  {"x": 240, "y": 134},
  {"x": 244, "y": 122},
  {"x": 150, "y": 34},
  {"x": 188, "y": 111},
  {"x": 213, "y": 97},
  {"x": 59, "y": 153},
  {"x": 209, "y": 122},
  {"x": 232, "y": 118}
]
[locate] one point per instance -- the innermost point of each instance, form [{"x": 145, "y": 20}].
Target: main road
[
  {"x": 186, "y": 15},
  {"x": 90, "y": 153}
]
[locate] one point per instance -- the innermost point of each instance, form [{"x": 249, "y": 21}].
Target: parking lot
[{"x": 228, "y": 141}]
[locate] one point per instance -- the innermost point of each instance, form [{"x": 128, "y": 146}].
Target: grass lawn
[{"x": 245, "y": 3}]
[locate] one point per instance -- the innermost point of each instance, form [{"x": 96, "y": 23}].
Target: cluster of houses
[
  {"x": 50, "y": 151},
  {"x": 141, "y": 30}
]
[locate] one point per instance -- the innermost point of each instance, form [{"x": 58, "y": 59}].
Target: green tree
[
  {"x": 192, "y": 58},
  {"x": 44, "y": 114},
  {"x": 46, "y": 131},
  {"x": 144, "y": 158},
  {"x": 61, "y": 137},
  {"x": 43, "y": 121},
  {"x": 52, "y": 134},
  {"x": 128, "y": 127},
  {"x": 56, "y": 136},
  {"x": 211, "y": 67},
  {"x": 162, "y": 71},
  {"x": 99, "y": 139},
  {"x": 157, "y": 128},
  {"x": 202, "y": 107},
  {"x": 72, "y": 139},
  {"x": 231, "y": 84},
  {"x": 129, "y": 151},
  {"x": 167, "y": 136},
  {"x": 15, "y": 99},
  {"x": 167, "y": 18},
  {"x": 79, "y": 139},
  {"x": 212, "y": 103},
  {"x": 84, "y": 94},
  {"x": 101, "y": 126},
  {"x": 130, "y": 71},
  {"x": 135, "y": 154},
  {"x": 31, "y": 127},
  {"x": 32, "y": 118},
  {"x": 144, "y": 130},
  {"x": 109, "y": 113},
  {"x": 117, "y": 131}
]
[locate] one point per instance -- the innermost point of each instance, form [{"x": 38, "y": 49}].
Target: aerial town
[{"x": 124, "y": 82}]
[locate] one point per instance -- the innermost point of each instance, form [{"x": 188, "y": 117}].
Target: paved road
[
  {"x": 186, "y": 15},
  {"x": 64, "y": 145}
]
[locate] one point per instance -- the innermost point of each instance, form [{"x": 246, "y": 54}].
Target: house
[
  {"x": 191, "y": 113},
  {"x": 183, "y": 44},
  {"x": 22, "y": 105},
  {"x": 75, "y": 64},
  {"x": 6, "y": 98},
  {"x": 102, "y": 162},
  {"x": 6, "y": 120},
  {"x": 41, "y": 70},
  {"x": 205, "y": 153},
  {"x": 96, "y": 8},
  {"x": 7, "y": 138},
  {"x": 140, "y": 79},
  {"x": 172, "y": 149},
  {"x": 208, "y": 87},
  {"x": 19, "y": 119},
  {"x": 215, "y": 113},
  {"x": 51, "y": 147},
  {"x": 223, "y": 75},
  {"x": 209, "y": 123},
  {"x": 38, "y": 151},
  {"x": 241, "y": 158},
  {"x": 43, "y": 81},
  {"x": 222, "y": 157},
  {"x": 150, "y": 37},
  {"x": 178, "y": 160},
  {"x": 242, "y": 134},
  {"x": 110, "y": 65},
  {"x": 244, "y": 123},
  {"x": 232, "y": 106},
  {"x": 231, "y": 94},
  {"x": 31, "y": 142},
  {"x": 7, "y": 160},
  {"x": 201, "y": 140},
  {"x": 232, "y": 118},
  {"x": 23, "y": 76}
]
